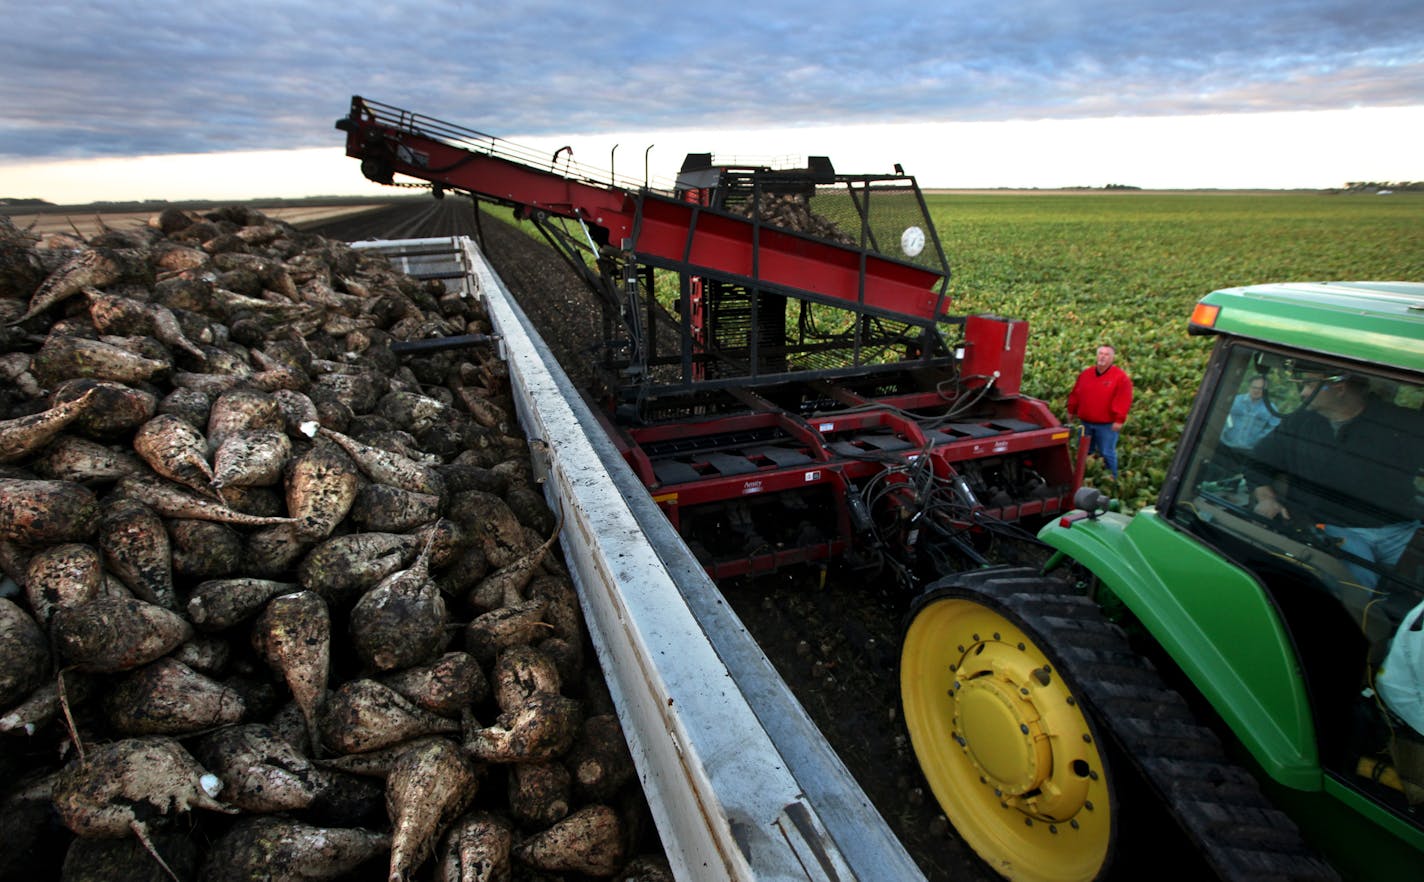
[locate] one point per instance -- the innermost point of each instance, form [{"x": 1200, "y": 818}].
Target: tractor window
[
  {"x": 1314, "y": 453},
  {"x": 1318, "y": 463},
  {"x": 1310, "y": 473}
]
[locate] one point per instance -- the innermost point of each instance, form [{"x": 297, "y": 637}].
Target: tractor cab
[{"x": 1308, "y": 471}]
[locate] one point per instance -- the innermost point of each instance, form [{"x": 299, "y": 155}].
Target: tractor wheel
[
  {"x": 1049, "y": 742},
  {"x": 1002, "y": 738}
]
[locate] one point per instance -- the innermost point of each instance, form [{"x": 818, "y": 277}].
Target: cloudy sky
[{"x": 135, "y": 98}]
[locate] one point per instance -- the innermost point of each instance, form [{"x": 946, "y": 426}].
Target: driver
[{"x": 1346, "y": 460}]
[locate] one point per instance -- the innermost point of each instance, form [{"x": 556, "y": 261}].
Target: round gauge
[{"x": 912, "y": 241}]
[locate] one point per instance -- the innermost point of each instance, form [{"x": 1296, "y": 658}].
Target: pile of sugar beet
[{"x": 278, "y": 603}]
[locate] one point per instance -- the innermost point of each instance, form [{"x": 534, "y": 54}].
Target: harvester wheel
[{"x": 1003, "y": 741}]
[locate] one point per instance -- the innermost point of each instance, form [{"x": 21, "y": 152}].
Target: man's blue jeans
[
  {"x": 1382, "y": 545},
  {"x": 1103, "y": 440}
]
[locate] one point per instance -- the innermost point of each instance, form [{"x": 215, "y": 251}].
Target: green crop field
[{"x": 1126, "y": 268}]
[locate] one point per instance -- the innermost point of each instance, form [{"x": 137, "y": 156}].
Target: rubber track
[{"x": 1218, "y": 804}]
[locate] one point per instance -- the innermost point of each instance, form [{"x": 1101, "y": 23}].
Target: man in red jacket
[{"x": 1101, "y": 398}]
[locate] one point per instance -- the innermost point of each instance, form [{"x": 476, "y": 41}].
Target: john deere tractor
[{"x": 1247, "y": 655}]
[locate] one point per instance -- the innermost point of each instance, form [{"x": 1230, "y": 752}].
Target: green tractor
[{"x": 1247, "y": 655}]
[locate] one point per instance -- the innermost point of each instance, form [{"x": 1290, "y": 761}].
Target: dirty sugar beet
[{"x": 260, "y": 574}]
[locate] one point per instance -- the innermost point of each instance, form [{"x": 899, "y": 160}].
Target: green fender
[{"x": 1214, "y": 620}]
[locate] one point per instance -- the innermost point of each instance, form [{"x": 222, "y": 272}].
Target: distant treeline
[{"x": 1376, "y": 186}]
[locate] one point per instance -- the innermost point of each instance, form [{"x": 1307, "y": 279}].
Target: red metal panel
[
  {"x": 1031, "y": 508},
  {"x": 1000, "y": 445},
  {"x": 995, "y": 345},
  {"x": 770, "y": 481}
]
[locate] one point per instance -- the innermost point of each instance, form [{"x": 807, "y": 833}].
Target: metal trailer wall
[{"x": 741, "y": 784}]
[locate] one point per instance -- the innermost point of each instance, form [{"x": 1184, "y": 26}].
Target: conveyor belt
[{"x": 741, "y": 783}]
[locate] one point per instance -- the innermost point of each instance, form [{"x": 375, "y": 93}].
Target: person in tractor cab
[
  {"x": 1101, "y": 398},
  {"x": 1250, "y": 418},
  {"x": 1347, "y": 461},
  {"x": 1400, "y": 683}
]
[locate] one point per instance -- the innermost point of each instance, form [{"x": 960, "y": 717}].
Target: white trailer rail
[{"x": 741, "y": 784}]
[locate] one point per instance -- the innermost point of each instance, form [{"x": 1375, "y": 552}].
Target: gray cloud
[{"x": 83, "y": 79}]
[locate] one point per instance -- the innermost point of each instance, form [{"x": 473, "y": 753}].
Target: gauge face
[{"x": 912, "y": 241}]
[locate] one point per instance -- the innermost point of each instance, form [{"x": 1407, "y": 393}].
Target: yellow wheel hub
[
  {"x": 1004, "y": 745},
  {"x": 998, "y": 737}
]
